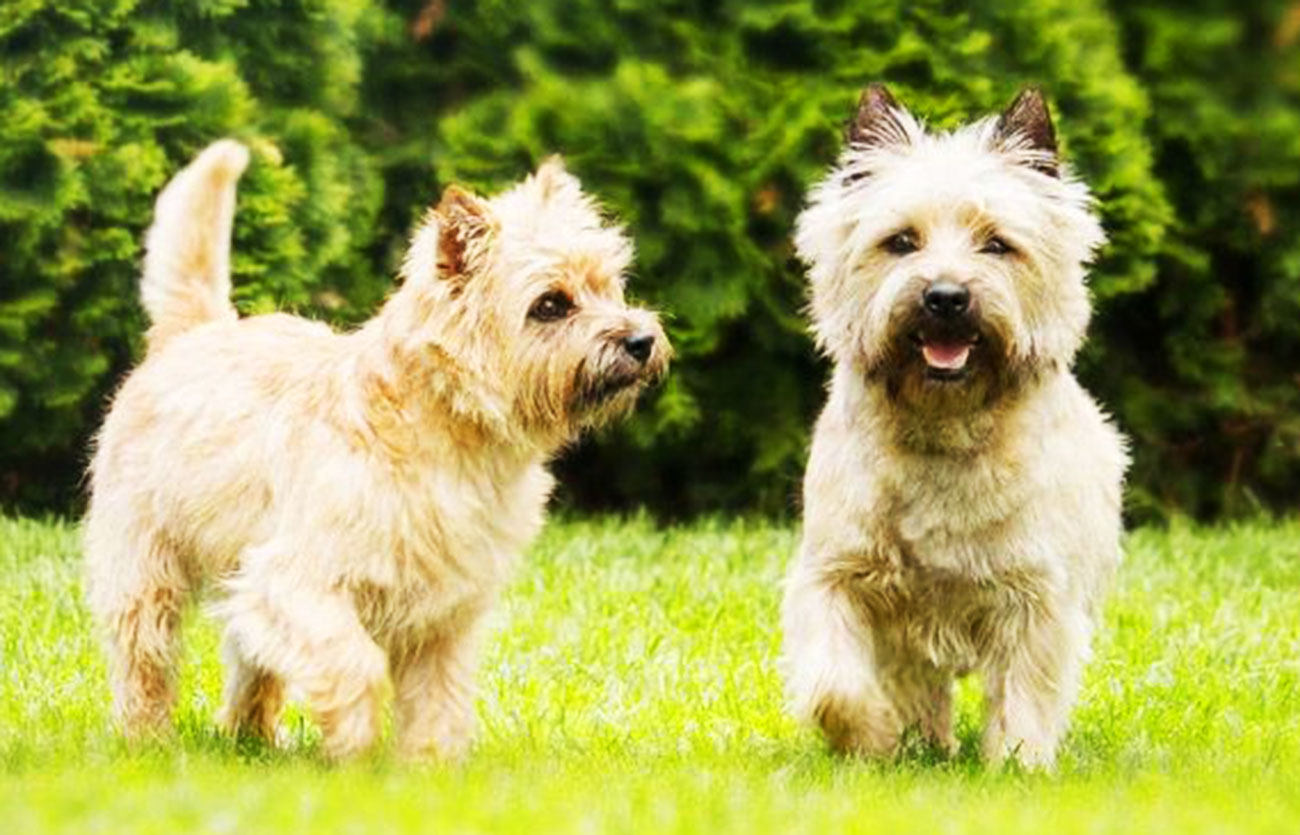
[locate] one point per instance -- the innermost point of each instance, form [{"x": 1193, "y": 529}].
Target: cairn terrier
[
  {"x": 355, "y": 500},
  {"x": 962, "y": 497}
]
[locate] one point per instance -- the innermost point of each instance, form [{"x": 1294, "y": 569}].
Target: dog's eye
[
  {"x": 551, "y": 307},
  {"x": 901, "y": 243},
  {"x": 996, "y": 246}
]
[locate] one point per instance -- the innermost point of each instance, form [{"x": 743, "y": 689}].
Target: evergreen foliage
[
  {"x": 700, "y": 125},
  {"x": 1202, "y": 366},
  {"x": 101, "y": 102}
]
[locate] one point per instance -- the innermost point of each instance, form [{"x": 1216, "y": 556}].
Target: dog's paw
[
  {"x": 1011, "y": 752},
  {"x": 859, "y": 728}
]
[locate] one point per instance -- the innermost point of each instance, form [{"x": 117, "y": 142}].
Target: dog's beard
[
  {"x": 946, "y": 368},
  {"x": 607, "y": 384},
  {"x": 608, "y": 404},
  {"x": 565, "y": 392}
]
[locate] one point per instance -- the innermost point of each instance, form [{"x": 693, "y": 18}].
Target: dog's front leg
[
  {"x": 253, "y": 695},
  {"x": 434, "y": 681},
  {"x": 935, "y": 715},
  {"x": 1030, "y": 688},
  {"x": 830, "y": 668},
  {"x": 314, "y": 641}
]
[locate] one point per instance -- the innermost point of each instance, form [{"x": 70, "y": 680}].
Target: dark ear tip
[
  {"x": 1028, "y": 118},
  {"x": 876, "y": 106},
  {"x": 876, "y": 94},
  {"x": 1030, "y": 102}
]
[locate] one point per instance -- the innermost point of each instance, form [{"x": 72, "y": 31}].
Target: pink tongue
[{"x": 947, "y": 357}]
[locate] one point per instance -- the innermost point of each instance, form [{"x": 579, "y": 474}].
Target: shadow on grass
[{"x": 800, "y": 756}]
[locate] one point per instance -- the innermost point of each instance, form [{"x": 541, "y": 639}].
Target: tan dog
[
  {"x": 358, "y": 499},
  {"x": 962, "y": 500}
]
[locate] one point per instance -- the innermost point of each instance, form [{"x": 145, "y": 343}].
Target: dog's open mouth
[{"x": 946, "y": 357}]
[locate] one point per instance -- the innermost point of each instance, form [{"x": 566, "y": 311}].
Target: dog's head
[
  {"x": 524, "y": 293},
  {"x": 949, "y": 265}
]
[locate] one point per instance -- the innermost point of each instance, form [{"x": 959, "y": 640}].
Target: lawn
[{"x": 631, "y": 686}]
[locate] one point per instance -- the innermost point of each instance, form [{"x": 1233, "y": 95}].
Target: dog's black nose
[
  {"x": 946, "y": 299},
  {"x": 639, "y": 345}
]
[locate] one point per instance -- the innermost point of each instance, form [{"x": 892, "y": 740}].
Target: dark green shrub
[
  {"x": 701, "y": 125},
  {"x": 100, "y": 103},
  {"x": 1203, "y": 365}
]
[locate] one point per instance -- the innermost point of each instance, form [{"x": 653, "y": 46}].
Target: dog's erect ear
[
  {"x": 877, "y": 120},
  {"x": 464, "y": 231},
  {"x": 1027, "y": 125},
  {"x": 553, "y": 179}
]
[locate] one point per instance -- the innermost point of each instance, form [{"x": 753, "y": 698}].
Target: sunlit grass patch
[{"x": 631, "y": 685}]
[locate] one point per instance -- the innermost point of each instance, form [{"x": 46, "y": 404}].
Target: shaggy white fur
[
  {"x": 354, "y": 500},
  {"x": 962, "y": 499}
]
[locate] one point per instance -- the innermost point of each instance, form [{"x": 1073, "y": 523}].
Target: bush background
[{"x": 701, "y": 124}]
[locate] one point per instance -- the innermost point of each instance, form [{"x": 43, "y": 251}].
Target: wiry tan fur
[
  {"x": 354, "y": 501},
  {"x": 950, "y": 527}
]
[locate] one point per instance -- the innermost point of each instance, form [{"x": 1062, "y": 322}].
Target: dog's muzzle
[
  {"x": 632, "y": 360},
  {"x": 947, "y": 332}
]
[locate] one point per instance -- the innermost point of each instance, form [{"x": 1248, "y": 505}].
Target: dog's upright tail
[{"x": 187, "y": 252}]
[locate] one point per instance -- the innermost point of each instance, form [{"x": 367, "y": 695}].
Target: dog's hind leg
[
  {"x": 434, "y": 679},
  {"x": 137, "y": 588},
  {"x": 312, "y": 640},
  {"x": 253, "y": 695},
  {"x": 830, "y": 670}
]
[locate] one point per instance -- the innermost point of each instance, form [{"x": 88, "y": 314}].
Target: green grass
[{"x": 631, "y": 685}]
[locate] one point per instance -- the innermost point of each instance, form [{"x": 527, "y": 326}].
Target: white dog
[
  {"x": 962, "y": 500},
  {"x": 357, "y": 499}
]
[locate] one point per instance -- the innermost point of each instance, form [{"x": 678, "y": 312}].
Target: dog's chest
[
  {"x": 960, "y": 517},
  {"x": 954, "y": 565},
  {"x": 951, "y": 619},
  {"x": 456, "y": 541}
]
